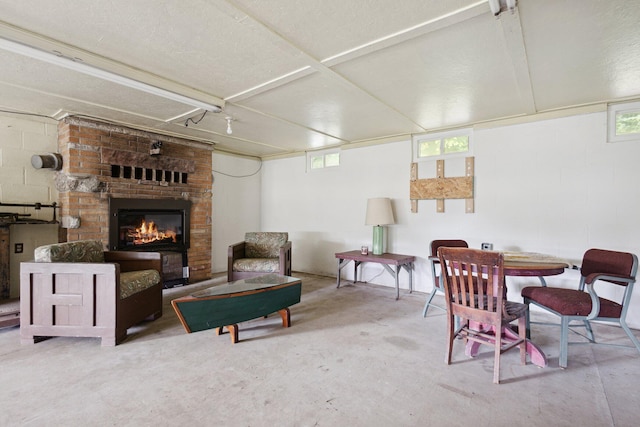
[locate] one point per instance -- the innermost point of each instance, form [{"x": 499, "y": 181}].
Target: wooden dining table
[
  {"x": 527, "y": 264},
  {"x": 532, "y": 264}
]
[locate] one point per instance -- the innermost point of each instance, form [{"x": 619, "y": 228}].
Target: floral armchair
[{"x": 260, "y": 253}]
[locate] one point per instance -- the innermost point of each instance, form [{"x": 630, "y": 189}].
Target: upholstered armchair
[
  {"x": 602, "y": 270},
  {"x": 260, "y": 253},
  {"x": 435, "y": 261},
  {"x": 76, "y": 289}
]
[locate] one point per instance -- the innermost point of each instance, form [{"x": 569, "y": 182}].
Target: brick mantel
[{"x": 116, "y": 162}]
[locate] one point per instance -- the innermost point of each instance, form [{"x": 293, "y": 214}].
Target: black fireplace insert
[{"x": 149, "y": 224}]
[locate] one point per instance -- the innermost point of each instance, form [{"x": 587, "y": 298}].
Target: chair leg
[
  {"x": 633, "y": 338},
  {"x": 450, "y": 338},
  {"x": 522, "y": 333},
  {"x": 587, "y": 326},
  {"x": 496, "y": 356},
  {"x": 528, "y": 319},
  {"x": 564, "y": 341},
  {"x": 426, "y": 306}
]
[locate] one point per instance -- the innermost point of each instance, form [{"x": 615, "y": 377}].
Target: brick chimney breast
[{"x": 101, "y": 160}]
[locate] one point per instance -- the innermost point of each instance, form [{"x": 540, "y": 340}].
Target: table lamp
[{"x": 379, "y": 214}]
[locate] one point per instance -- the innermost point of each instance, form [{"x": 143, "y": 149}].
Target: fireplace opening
[
  {"x": 147, "y": 229},
  {"x": 149, "y": 224},
  {"x": 153, "y": 225}
]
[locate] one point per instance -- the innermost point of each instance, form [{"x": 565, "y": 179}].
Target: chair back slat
[
  {"x": 475, "y": 295},
  {"x": 474, "y": 279}
]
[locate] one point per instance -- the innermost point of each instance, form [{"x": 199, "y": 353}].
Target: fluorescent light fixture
[
  {"x": 494, "y": 5},
  {"x": 75, "y": 65}
]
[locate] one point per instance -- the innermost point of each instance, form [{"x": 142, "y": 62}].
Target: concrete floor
[{"x": 353, "y": 357}]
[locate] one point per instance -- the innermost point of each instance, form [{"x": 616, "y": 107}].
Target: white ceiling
[{"x": 298, "y": 75}]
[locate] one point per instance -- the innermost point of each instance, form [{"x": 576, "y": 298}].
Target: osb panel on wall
[{"x": 441, "y": 188}]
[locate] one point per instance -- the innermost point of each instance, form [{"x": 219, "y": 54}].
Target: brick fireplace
[{"x": 103, "y": 162}]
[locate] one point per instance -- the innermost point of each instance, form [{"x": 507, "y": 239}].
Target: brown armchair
[
  {"x": 76, "y": 289},
  {"x": 475, "y": 292},
  {"x": 260, "y": 253}
]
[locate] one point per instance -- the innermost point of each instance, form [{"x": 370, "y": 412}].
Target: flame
[{"x": 148, "y": 233}]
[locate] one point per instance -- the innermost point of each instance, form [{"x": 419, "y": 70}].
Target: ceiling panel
[
  {"x": 332, "y": 106},
  {"x": 443, "y": 78},
  {"x": 329, "y": 27},
  {"x": 204, "y": 44},
  {"x": 581, "y": 52}
]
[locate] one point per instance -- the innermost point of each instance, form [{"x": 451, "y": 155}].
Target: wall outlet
[
  {"x": 486, "y": 246},
  {"x": 19, "y": 248}
]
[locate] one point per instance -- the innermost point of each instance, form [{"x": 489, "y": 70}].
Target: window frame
[
  {"x": 418, "y": 138},
  {"x": 323, "y": 153},
  {"x": 613, "y": 110}
]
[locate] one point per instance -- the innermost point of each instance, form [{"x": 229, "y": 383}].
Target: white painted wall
[
  {"x": 20, "y": 138},
  {"x": 552, "y": 186},
  {"x": 236, "y": 203}
]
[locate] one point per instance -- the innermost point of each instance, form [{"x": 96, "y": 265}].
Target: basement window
[
  {"x": 623, "y": 122},
  {"x": 435, "y": 146},
  {"x": 323, "y": 159}
]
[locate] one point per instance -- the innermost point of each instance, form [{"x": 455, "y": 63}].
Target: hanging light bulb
[{"x": 229, "y": 130}]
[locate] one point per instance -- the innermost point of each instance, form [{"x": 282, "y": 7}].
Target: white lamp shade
[{"x": 379, "y": 212}]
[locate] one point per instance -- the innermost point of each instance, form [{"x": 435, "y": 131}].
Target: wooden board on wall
[{"x": 442, "y": 188}]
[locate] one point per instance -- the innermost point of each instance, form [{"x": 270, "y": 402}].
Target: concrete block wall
[{"x": 20, "y": 138}]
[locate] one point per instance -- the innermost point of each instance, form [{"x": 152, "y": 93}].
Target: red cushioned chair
[
  {"x": 434, "y": 261},
  {"x": 598, "y": 266}
]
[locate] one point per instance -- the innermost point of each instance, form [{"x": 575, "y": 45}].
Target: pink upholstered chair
[
  {"x": 434, "y": 263},
  {"x": 607, "y": 268},
  {"x": 474, "y": 291}
]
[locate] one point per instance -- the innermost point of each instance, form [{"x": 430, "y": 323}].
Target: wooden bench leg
[
  {"x": 233, "y": 331},
  {"x": 286, "y": 317}
]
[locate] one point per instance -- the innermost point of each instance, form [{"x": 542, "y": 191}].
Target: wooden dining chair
[
  {"x": 607, "y": 268},
  {"x": 434, "y": 263},
  {"x": 475, "y": 292}
]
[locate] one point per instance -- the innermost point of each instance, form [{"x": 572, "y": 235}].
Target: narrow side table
[{"x": 387, "y": 260}]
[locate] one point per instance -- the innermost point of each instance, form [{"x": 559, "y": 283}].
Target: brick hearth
[{"x": 102, "y": 160}]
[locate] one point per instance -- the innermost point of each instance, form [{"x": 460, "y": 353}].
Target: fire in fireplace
[
  {"x": 149, "y": 224},
  {"x": 158, "y": 225}
]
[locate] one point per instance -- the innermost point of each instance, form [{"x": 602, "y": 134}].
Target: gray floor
[{"x": 353, "y": 357}]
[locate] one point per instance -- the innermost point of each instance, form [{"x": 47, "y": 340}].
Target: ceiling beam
[{"x": 514, "y": 41}]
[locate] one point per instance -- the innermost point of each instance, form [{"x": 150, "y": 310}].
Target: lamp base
[{"x": 378, "y": 239}]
